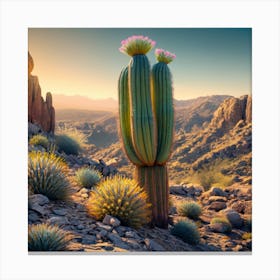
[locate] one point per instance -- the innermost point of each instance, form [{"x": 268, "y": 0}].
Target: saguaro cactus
[{"x": 146, "y": 120}]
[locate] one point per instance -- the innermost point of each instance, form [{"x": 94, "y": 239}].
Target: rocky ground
[{"x": 110, "y": 236}]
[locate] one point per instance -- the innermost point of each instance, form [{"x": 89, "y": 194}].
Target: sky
[{"x": 87, "y": 61}]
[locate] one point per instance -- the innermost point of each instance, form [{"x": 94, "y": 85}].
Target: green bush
[
  {"x": 87, "y": 177},
  {"x": 39, "y": 140},
  {"x": 122, "y": 198},
  {"x": 191, "y": 210},
  {"x": 46, "y": 175},
  {"x": 43, "y": 237},
  {"x": 67, "y": 144},
  {"x": 224, "y": 221},
  {"x": 187, "y": 231}
]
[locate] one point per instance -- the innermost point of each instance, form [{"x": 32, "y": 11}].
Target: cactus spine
[{"x": 146, "y": 121}]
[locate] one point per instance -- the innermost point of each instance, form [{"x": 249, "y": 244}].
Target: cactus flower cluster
[
  {"x": 136, "y": 44},
  {"x": 147, "y": 119},
  {"x": 164, "y": 56}
]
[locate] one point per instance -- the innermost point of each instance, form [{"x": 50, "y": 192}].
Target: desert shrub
[
  {"x": 44, "y": 237},
  {"x": 67, "y": 144},
  {"x": 87, "y": 177},
  {"x": 122, "y": 198},
  {"x": 46, "y": 175},
  {"x": 39, "y": 140},
  {"x": 187, "y": 231},
  {"x": 247, "y": 236},
  {"x": 211, "y": 175},
  {"x": 224, "y": 221},
  {"x": 190, "y": 209}
]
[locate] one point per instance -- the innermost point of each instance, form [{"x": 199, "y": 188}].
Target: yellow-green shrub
[
  {"x": 44, "y": 237},
  {"x": 39, "y": 140},
  {"x": 46, "y": 175},
  {"x": 190, "y": 209},
  {"x": 122, "y": 198}
]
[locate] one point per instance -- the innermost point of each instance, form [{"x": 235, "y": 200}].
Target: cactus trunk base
[{"x": 154, "y": 180}]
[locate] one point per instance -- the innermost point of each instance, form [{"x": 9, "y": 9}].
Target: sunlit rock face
[{"x": 40, "y": 112}]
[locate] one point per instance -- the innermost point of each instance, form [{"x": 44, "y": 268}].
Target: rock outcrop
[
  {"x": 231, "y": 111},
  {"x": 40, "y": 112}
]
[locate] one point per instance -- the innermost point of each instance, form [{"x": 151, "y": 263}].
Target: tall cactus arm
[
  {"x": 124, "y": 117},
  {"x": 143, "y": 128},
  {"x": 162, "y": 93}
]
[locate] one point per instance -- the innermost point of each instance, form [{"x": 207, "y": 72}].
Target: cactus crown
[
  {"x": 136, "y": 44},
  {"x": 164, "y": 56}
]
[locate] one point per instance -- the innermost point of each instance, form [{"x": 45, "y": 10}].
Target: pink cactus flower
[
  {"x": 164, "y": 56},
  {"x": 136, "y": 44}
]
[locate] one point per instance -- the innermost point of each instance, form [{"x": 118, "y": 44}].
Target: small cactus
[
  {"x": 44, "y": 237},
  {"x": 46, "y": 175},
  {"x": 121, "y": 198}
]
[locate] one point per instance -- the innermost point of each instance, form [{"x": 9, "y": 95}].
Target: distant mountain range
[
  {"x": 79, "y": 102},
  {"x": 61, "y": 101}
]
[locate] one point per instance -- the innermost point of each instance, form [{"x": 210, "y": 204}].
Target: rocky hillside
[
  {"x": 217, "y": 131},
  {"x": 227, "y": 136},
  {"x": 205, "y": 133}
]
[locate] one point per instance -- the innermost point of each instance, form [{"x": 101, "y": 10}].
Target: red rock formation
[{"x": 40, "y": 112}]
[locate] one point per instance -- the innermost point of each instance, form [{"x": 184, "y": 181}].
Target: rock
[
  {"x": 217, "y": 198},
  {"x": 219, "y": 227},
  {"x": 132, "y": 234},
  {"x": 109, "y": 220},
  {"x": 217, "y": 192},
  {"x": 178, "y": 190},
  {"x": 60, "y": 212},
  {"x": 33, "y": 217},
  {"x": 114, "y": 238},
  {"x": 102, "y": 226},
  {"x": 103, "y": 233},
  {"x": 80, "y": 227},
  {"x": 231, "y": 111},
  {"x": 239, "y": 206},
  {"x": 217, "y": 205},
  {"x": 38, "y": 199},
  {"x": 39, "y": 209},
  {"x": 40, "y": 112},
  {"x": 88, "y": 241},
  {"x": 234, "y": 218},
  {"x": 152, "y": 245},
  {"x": 60, "y": 221}
]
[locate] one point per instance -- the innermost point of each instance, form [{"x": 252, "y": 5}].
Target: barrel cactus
[{"x": 146, "y": 115}]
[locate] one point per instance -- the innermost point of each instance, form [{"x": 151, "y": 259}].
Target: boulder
[
  {"x": 217, "y": 205},
  {"x": 234, "y": 218},
  {"x": 217, "y": 192},
  {"x": 219, "y": 227},
  {"x": 38, "y": 199},
  {"x": 111, "y": 221},
  {"x": 152, "y": 245}
]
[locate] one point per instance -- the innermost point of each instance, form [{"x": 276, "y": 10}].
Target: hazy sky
[{"x": 88, "y": 62}]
